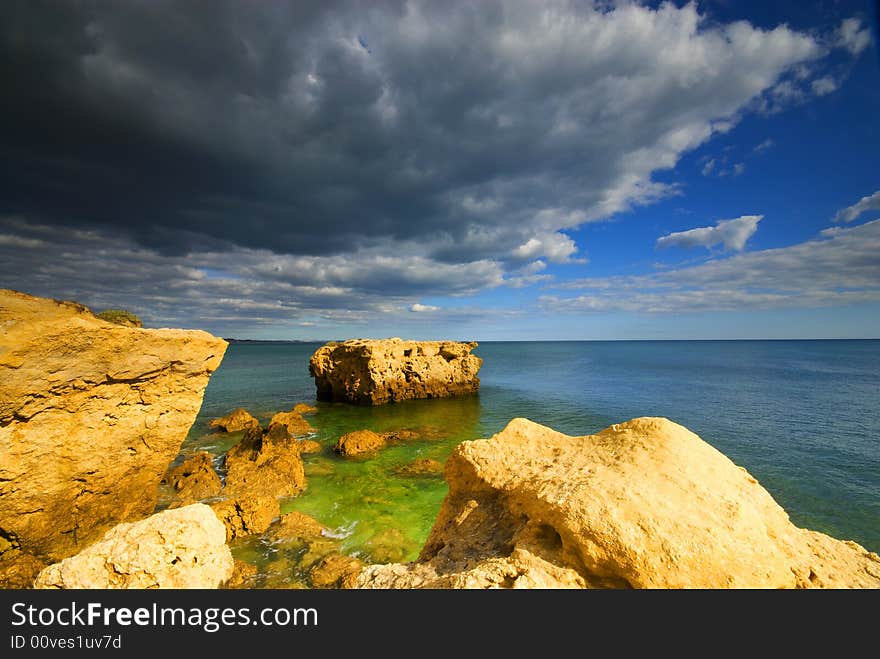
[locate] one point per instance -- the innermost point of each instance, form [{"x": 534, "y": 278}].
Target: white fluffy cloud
[
  {"x": 423, "y": 308},
  {"x": 853, "y": 36},
  {"x": 733, "y": 234},
  {"x": 863, "y": 205},
  {"x": 556, "y": 247},
  {"x": 839, "y": 267}
]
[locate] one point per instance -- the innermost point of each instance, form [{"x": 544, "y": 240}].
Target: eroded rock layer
[{"x": 368, "y": 372}]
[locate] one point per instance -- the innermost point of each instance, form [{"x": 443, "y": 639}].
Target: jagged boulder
[
  {"x": 642, "y": 504},
  {"x": 180, "y": 548},
  {"x": 91, "y": 415},
  {"x": 375, "y": 372}
]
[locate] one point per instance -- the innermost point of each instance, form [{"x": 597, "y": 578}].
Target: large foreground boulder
[
  {"x": 91, "y": 415},
  {"x": 642, "y": 504},
  {"x": 180, "y": 548},
  {"x": 367, "y": 372}
]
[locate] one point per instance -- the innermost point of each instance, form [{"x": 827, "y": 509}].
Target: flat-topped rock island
[{"x": 375, "y": 372}]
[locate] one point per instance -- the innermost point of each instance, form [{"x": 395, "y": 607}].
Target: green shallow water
[{"x": 801, "y": 416}]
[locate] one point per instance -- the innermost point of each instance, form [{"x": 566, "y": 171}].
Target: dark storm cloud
[
  {"x": 274, "y": 125},
  {"x": 285, "y": 159}
]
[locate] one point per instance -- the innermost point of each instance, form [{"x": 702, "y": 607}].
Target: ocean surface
[{"x": 803, "y": 417}]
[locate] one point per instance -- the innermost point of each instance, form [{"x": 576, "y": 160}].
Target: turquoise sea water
[{"x": 802, "y": 416}]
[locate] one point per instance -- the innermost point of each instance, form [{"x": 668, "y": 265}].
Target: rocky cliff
[
  {"x": 367, "y": 372},
  {"x": 91, "y": 415},
  {"x": 642, "y": 504}
]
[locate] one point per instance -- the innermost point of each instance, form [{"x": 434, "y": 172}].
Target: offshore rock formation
[
  {"x": 91, "y": 415},
  {"x": 181, "y": 548},
  {"x": 642, "y": 504},
  {"x": 367, "y": 372}
]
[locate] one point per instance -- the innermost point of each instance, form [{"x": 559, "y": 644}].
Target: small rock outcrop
[
  {"x": 237, "y": 419},
  {"x": 193, "y": 480},
  {"x": 265, "y": 464},
  {"x": 296, "y": 525},
  {"x": 246, "y": 515},
  {"x": 359, "y": 441},
  {"x": 293, "y": 421},
  {"x": 91, "y": 415},
  {"x": 642, "y": 504},
  {"x": 375, "y": 372},
  {"x": 180, "y": 548}
]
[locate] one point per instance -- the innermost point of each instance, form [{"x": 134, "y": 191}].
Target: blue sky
[{"x": 492, "y": 171}]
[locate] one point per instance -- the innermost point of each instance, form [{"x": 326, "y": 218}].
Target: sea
[{"x": 803, "y": 417}]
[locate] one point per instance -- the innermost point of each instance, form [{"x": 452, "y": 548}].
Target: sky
[{"x": 462, "y": 170}]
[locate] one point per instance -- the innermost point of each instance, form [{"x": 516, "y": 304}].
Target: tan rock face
[
  {"x": 91, "y": 415},
  {"x": 237, "y": 419},
  {"x": 265, "y": 463},
  {"x": 643, "y": 504},
  {"x": 194, "y": 480},
  {"x": 367, "y": 372},
  {"x": 180, "y": 548}
]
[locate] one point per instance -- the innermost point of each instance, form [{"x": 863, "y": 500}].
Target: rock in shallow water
[
  {"x": 237, "y": 419},
  {"x": 367, "y": 372},
  {"x": 193, "y": 480},
  {"x": 91, "y": 415},
  {"x": 643, "y": 504},
  {"x": 180, "y": 548}
]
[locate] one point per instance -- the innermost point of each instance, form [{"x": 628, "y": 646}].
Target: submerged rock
[
  {"x": 421, "y": 467},
  {"x": 180, "y": 548},
  {"x": 642, "y": 504},
  {"x": 307, "y": 446},
  {"x": 194, "y": 480},
  {"x": 265, "y": 463},
  {"x": 296, "y": 525},
  {"x": 368, "y": 372},
  {"x": 246, "y": 515},
  {"x": 91, "y": 415},
  {"x": 304, "y": 408},
  {"x": 238, "y": 419},
  {"x": 335, "y": 571}
]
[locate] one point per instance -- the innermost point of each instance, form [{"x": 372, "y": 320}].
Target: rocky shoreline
[{"x": 92, "y": 415}]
